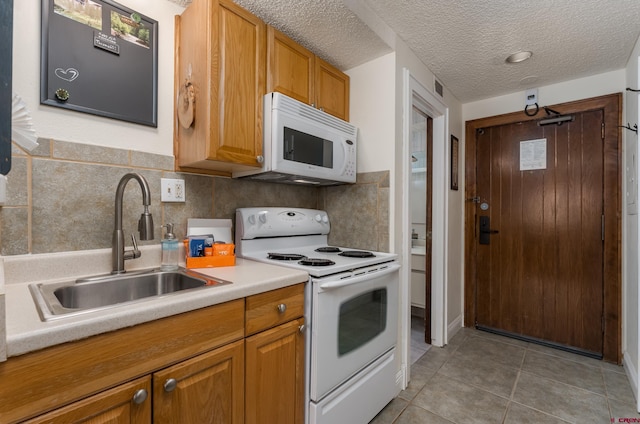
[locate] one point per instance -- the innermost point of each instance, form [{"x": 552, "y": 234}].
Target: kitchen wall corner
[{"x": 359, "y": 212}]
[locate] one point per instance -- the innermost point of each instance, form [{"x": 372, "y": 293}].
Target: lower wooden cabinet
[
  {"x": 274, "y": 390},
  {"x": 128, "y": 403},
  {"x": 206, "y": 389},
  {"x": 181, "y": 370}
]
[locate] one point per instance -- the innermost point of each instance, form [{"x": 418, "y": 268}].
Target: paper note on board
[{"x": 533, "y": 154}]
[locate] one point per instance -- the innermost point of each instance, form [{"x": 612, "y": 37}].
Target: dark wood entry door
[{"x": 541, "y": 274}]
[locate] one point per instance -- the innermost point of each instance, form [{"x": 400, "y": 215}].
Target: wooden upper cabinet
[
  {"x": 221, "y": 56},
  {"x": 296, "y": 72},
  {"x": 290, "y": 67},
  {"x": 332, "y": 90}
]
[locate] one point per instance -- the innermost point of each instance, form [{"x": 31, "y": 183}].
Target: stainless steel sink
[{"x": 58, "y": 300}]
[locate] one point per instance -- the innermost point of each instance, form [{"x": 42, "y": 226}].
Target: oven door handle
[{"x": 360, "y": 278}]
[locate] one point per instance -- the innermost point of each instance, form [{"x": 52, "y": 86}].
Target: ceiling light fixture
[{"x": 518, "y": 57}]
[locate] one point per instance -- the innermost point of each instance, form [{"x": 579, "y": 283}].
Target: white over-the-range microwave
[{"x": 304, "y": 145}]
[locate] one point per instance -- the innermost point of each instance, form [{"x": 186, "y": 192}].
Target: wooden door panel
[
  {"x": 114, "y": 406},
  {"x": 541, "y": 276},
  {"x": 208, "y": 389},
  {"x": 275, "y": 375}
]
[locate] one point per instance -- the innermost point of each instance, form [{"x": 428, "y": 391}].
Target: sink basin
[{"x": 57, "y": 300}]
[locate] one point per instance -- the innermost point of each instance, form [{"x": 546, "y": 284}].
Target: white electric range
[{"x": 351, "y": 309}]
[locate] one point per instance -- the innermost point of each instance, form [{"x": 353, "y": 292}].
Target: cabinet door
[
  {"x": 202, "y": 390},
  {"x": 242, "y": 70},
  {"x": 275, "y": 375},
  {"x": 124, "y": 404},
  {"x": 290, "y": 67},
  {"x": 332, "y": 90}
]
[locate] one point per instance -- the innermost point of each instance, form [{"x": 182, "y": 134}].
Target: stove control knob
[
  {"x": 325, "y": 219},
  {"x": 252, "y": 219},
  {"x": 318, "y": 218},
  {"x": 262, "y": 217}
]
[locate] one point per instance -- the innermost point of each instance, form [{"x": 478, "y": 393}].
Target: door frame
[
  {"x": 612, "y": 274},
  {"x": 439, "y": 112}
]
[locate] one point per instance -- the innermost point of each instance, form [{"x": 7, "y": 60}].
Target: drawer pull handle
[
  {"x": 170, "y": 385},
  {"x": 302, "y": 328},
  {"x": 140, "y": 396},
  {"x": 282, "y": 308}
]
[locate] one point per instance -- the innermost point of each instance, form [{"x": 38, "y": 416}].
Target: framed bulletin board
[{"x": 101, "y": 58}]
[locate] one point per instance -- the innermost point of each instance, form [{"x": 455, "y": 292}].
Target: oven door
[{"x": 354, "y": 322}]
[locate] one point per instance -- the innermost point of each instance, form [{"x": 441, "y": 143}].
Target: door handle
[{"x": 485, "y": 230}]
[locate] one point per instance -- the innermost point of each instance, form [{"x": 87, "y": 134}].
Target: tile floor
[{"x": 485, "y": 378}]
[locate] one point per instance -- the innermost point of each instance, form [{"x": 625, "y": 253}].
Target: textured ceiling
[{"x": 465, "y": 42}]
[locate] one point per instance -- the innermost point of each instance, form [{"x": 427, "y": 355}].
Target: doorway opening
[
  {"x": 416, "y": 95},
  {"x": 420, "y": 200},
  {"x": 542, "y": 235}
]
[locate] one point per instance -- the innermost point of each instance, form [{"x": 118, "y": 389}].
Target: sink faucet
[{"x": 145, "y": 224}]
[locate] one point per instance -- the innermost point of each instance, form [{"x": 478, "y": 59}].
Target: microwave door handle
[
  {"x": 345, "y": 156},
  {"x": 359, "y": 279}
]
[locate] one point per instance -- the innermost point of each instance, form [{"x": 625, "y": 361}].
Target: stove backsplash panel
[{"x": 359, "y": 212}]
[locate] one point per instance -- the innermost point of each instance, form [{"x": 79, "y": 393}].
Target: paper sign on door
[{"x": 533, "y": 154}]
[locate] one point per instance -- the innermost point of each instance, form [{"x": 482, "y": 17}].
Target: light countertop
[{"x": 26, "y": 332}]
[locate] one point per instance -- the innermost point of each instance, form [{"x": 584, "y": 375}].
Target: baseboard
[
  {"x": 454, "y": 327},
  {"x": 632, "y": 375},
  {"x": 417, "y": 311},
  {"x": 402, "y": 378}
]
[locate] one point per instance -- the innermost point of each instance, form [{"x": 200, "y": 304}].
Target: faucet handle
[
  {"x": 135, "y": 253},
  {"x": 134, "y": 242}
]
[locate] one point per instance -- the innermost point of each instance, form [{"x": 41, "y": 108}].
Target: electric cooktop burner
[
  {"x": 285, "y": 256},
  {"x": 357, "y": 254},
  {"x": 316, "y": 262},
  {"x": 328, "y": 249}
]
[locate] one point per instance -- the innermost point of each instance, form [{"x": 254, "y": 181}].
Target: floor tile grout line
[
  {"x": 448, "y": 356},
  {"x": 539, "y": 410}
]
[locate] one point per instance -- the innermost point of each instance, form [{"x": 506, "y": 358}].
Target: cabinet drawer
[{"x": 266, "y": 310}]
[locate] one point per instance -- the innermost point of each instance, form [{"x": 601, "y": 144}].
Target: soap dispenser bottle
[{"x": 169, "y": 250}]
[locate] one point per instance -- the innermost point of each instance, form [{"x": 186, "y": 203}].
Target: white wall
[
  {"x": 631, "y": 242},
  {"x": 371, "y": 109},
  {"x": 377, "y": 106},
  {"x": 454, "y": 208},
  {"x": 62, "y": 124},
  {"x": 582, "y": 88}
]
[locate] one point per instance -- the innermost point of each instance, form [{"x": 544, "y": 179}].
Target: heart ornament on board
[{"x": 68, "y": 74}]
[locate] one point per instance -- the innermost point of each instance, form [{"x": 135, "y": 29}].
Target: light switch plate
[{"x": 172, "y": 190}]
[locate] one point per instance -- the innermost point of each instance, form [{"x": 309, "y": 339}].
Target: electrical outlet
[{"x": 173, "y": 190}]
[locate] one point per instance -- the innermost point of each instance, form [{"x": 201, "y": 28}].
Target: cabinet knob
[
  {"x": 170, "y": 385},
  {"x": 302, "y": 328},
  {"x": 140, "y": 396},
  {"x": 282, "y": 308},
  {"x": 260, "y": 158}
]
